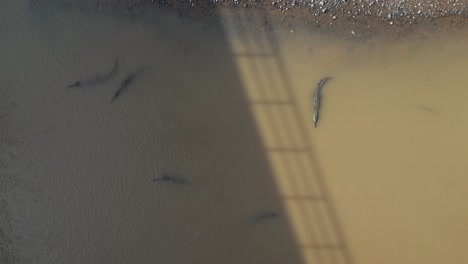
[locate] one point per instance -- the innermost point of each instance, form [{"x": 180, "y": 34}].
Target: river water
[{"x": 223, "y": 105}]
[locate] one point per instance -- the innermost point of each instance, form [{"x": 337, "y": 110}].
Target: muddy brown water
[{"x": 224, "y": 108}]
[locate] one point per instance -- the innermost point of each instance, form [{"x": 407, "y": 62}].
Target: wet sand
[{"x": 211, "y": 156}]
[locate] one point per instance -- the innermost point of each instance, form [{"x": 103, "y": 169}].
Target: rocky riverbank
[{"x": 355, "y": 17}]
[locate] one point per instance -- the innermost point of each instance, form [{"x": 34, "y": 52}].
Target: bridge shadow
[
  {"x": 219, "y": 110},
  {"x": 287, "y": 139}
]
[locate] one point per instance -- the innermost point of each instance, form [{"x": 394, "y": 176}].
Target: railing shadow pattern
[{"x": 287, "y": 140}]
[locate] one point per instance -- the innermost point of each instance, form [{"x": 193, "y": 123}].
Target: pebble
[{"x": 403, "y": 10}]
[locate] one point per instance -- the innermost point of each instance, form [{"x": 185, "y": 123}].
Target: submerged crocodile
[
  {"x": 98, "y": 78},
  {"x": 170, "y": 178},
  {"x": 265, "y": 216},
  {"x": 128, "y": 81},
  {"x": 317, "y": 97}
]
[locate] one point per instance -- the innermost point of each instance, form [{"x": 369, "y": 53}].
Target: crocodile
[{"x": 317, "y": 98}]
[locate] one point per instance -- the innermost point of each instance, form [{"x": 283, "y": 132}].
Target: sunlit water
[{"x": 228, "y": 109}]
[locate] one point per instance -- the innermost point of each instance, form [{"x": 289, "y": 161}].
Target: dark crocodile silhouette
[
  {"x": 128, "y": 81},
  {"x": 429, "y": 110},
  {"x": 98, "y": 78},
  {"x": 265, "y": 216},
  {"x": 171, "y": 178}
]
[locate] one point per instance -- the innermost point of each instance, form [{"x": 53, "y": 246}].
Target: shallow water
[
  {"x": 390, "y": 143},
  {"x": 226, "y": 109}
]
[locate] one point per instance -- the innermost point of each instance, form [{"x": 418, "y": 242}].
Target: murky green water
[{"x": 225, "y": 105}]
